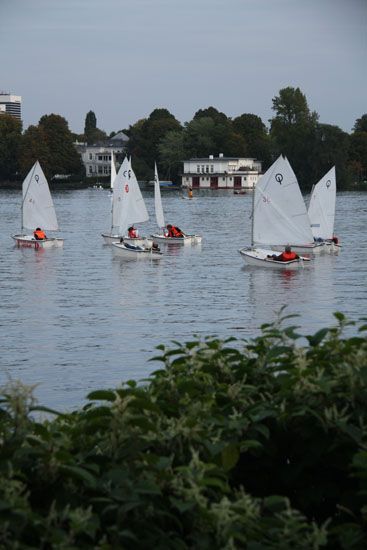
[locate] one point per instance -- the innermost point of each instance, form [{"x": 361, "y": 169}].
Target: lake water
[{"x": 79, "y": 318}]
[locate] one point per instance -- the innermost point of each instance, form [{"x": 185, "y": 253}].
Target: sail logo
[
  {"x": 328, "y": 183},
  {"x": 279, "y": 178},
  {"x": 37, "y": 178},
  {"x": 266, "y": 200},
  {"x": 126, "y": 188}
]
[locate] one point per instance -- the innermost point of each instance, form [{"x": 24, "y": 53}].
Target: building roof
[
  {"x": 120, "y": 136},
  {"x": 206, "y": 159}
]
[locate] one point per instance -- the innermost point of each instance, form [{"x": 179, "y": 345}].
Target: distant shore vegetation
[
  {"x": 295, "y": 131},
  {"x": 259, "y": 444}
]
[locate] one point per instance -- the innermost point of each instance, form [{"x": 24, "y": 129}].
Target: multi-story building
[
  {"x": 221, "y": 173},
  {"x": 97, "y": 158},
  {"x": 11, "y": 105}
]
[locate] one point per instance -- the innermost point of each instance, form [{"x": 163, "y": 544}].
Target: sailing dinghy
[
  {"x": 37, "y": 211},
  {"x": 321, "y": 211},
  {"x": 128, "y": 207},
  {"x": 281, "y": 217},
  {"x": 269, "y": 223},
  {"x": 159, "y": 215}
]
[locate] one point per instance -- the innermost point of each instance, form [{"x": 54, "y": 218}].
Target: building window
[
  {"x": 212, "y": 167},
  {"x": 105, "y": 170},
  {"x": 90, "y": 169},
  {"x": 202, "y": 168},
  {"x": 99, "y": 169},
  {"x": 207, "y": 168},
  {"x": 198, "y": 168},
  {"x": 90, "y": 156}
]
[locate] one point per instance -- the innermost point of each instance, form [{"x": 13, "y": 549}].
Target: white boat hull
[
  {"x": 138, "y": 253},
  {"x": 259, "y": 257},
  {"x": 138, "y": 241},
  {"x": 315, "y": 248},
  {"x": 28, "y": 241},
  {"x": 187, "y": 239}
]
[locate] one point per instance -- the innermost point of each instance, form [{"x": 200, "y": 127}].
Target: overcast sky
[{"x": 124, "y": 58}]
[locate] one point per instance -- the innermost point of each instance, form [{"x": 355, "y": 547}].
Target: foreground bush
[{"x": 258, "y": 448}]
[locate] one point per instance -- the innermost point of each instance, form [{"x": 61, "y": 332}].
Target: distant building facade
[
  {"x": 97, "y": 157},
  {"x": 221, "y": 172},
  {"x": 11, "y": 105}
]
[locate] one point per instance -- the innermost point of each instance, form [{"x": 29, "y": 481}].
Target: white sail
[
  {"x": 280, "y": 216},
  {"x": 321, "y": 209},
  {"x": 113, "y": 170},
  {"x": 158, "y": 200},
  {"x": 128, "y": 206},
  {"x": 37, "y": 207}
]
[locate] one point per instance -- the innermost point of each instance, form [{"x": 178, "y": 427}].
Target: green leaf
[
  {"x": 102, "y": 395},
  {"x": 230, "y": 456}
]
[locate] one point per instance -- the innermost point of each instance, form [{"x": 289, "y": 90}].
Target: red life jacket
[
  {"x": 288, "y": 256},
  {"x": 132, "y": 233},
  {"x": 174, "y": 232},
  {"x": 39, "y": 235}
]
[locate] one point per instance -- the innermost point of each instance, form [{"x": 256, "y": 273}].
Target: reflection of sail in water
[{"x": 310, "y": 293}]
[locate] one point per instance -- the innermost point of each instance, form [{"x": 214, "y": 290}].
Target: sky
[{"x": 124, "y": 58}]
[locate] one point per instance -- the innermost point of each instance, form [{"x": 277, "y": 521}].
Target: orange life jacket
[
  {"x": 39, "y": 235},
  {"x": 174, "y": 232},
  {"x": 288, "y": 256}
]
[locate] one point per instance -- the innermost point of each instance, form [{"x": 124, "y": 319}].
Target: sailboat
[
  {"x": 281, "y": 214},
  {"x": 128, "y": 207},
  {"x": 277, "y": 218},
  {"x": 37, "y": 211},
  {"x": 321, "y": 210},
  {"x": 163, "y": 237}
]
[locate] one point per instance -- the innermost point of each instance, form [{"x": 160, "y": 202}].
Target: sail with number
[
  {"x": 321, "y": 209},
  {"x": 158, "y": 200},
  {"x": 128, "y": 206},
  {"x": 37, "y": 206},
  {"x": 280, "y": 214}
]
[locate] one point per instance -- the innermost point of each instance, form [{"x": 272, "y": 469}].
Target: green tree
[
  {"x": 34, "y": 147},
  {"x": 171, "y": 154},
  {"x": 145, "y": 137},
  {"x": 361, "y": 124},
  {"x": 92, "y": 134},
  {"x": 10, "y": 139},
  {"x": 358, "y": 150},
  {"x": 293, "y": 129},
  {"x": 255, "y": 134},
  {"x": 65, "y": 158},
  {"x": 331, "y": 148},
  {"x": 206, "y": 135}
]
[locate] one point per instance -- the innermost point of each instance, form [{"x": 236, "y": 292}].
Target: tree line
[{"x": 294, "y": 130}]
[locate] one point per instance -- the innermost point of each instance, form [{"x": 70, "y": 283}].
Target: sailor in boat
[
  {"x": 39, "y": 235},
  {"x": 287, "y": 256},
  {"x": 174, "y": 231},
  {"x": 189, "y": 192},
  {"x": 133, "y": 232}
]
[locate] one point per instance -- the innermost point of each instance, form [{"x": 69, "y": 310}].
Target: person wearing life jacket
[
  {"x": 39, "y": 235},
  {"x": 287, "y": 255},
  {"x": 174, "y": 231},
  {"x": 132, "y": 232}
]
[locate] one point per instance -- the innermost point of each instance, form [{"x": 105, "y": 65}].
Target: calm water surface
[{"x": 79, "y": 318}]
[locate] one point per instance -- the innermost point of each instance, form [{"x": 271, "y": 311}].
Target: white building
[
  {"x": 97, "y": 158},
  {"x": 11, "y": 104},
  {"x": 221, "y": 173}
]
